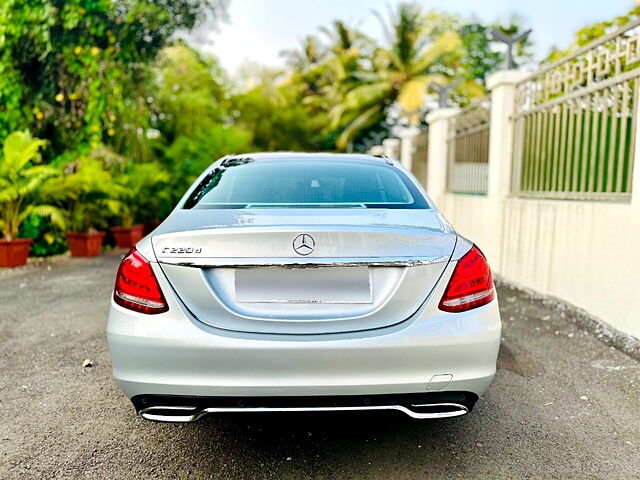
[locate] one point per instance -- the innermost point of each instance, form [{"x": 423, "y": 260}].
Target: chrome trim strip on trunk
[
  {"x": 412, "y": 411},
  {"x": 302, "y": 263}
]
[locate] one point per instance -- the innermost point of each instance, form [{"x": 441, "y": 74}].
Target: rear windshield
[{"x": 244, "y": 183}]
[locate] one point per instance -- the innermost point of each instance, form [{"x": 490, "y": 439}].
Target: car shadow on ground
[{"x": 328, "y": 442}]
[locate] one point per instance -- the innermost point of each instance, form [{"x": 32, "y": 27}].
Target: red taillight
[
  {"x": 470, "y": 286},
  {"x": 137, "y": 287}
]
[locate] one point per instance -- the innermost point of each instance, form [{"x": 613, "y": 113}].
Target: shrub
[{"x": 23, "y": 184}]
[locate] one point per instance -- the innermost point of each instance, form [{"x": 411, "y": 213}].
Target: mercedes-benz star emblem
[{"x": 304, "y": 244}]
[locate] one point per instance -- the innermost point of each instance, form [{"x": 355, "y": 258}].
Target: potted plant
[
  {"x": 143, "y": 186},
  {"x": 90, "y": 197},
  {"x": 22, "y": 186},
  {"x": 127, "y": 235}
]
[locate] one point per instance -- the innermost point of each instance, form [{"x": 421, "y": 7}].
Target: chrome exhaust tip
[
  {"x": 171, "y": 414},
  {"x": 437, "y": 410},
  {"x": 187, "y": 414}
]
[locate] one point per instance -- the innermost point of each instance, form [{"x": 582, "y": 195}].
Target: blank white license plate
[{"x": 303, "y": 285}]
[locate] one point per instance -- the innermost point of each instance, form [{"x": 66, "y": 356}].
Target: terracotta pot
[
  {"x": 14, "y": 252},
  {"x": 85, "y": 244},
  {"x": 127, "y": 237}
]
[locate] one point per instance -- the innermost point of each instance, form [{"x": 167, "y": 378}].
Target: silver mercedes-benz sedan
[{"x": 304, "y": 282}]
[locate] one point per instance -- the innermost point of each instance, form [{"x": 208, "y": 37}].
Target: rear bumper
[
  {"x": 172, "y": 354},
  {"x": 173, "y": 408}
]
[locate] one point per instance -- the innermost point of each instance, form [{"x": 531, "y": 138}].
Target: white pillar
[
  {"x": 376, "y": 150},
  {"x": 407, "y": 138},
  {"x": 502, "y": 86},
  {"x": 390, "y": 147},
  {"x": 439, "y": 121}
]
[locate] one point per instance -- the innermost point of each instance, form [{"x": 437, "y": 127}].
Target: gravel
[{"x": 564, "y": 404}]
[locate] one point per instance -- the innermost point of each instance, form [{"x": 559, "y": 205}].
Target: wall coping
[
  {"x": 505, "y": 77},
  {"x": 441, "y": 114},
  {"x": 409, "y": 132}
]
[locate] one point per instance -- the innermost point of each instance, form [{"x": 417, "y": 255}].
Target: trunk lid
[{"x": 302, "y": 271}]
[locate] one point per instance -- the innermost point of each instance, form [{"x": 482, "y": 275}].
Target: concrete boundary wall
[{"x": 584, "y": 252}]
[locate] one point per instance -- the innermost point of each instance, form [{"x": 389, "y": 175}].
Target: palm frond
[
  {"x": 364, "y": 120},
  {"x": 365, "y": 95},
  {"x": 446, "y": 43},
  {"x": 19, "y": 149},
  {"x": 412, "y": 96},
  {"x": 55, "y": 215},
  {"x": 471, "y": 89},
  {"x": 386, "y": 30}
]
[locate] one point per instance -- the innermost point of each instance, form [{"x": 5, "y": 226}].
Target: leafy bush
[
  {"x": 47, "y": 238},
  {"x": 189, "y": 155},
  {"x": 144, "y": 191},
  {"x": 23, "y": 183},
  {"x": 70, "y": 69},
  {"x": 88, "y": 194}
]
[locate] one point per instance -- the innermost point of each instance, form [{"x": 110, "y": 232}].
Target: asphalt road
[{"x": 563, "y": 405}]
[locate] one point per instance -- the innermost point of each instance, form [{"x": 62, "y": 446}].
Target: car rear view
[{"x": 304, "y": 282}]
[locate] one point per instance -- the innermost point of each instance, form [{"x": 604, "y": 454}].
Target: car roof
[{"x": 323, "y": 156}]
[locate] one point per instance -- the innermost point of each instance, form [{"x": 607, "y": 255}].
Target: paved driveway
[{"x": 563, "y": 405}]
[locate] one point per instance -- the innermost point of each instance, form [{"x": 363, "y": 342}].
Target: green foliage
[
  {"x": 417, "y": 53},
  {"x": 480, "y": 59},
  {"x": 82, "y": 74},
  {"x": 88, "y": 194},
  {"x": 351, "y": 86},
  {"x": 275, "y": 116},
  {"x": 188, "y": 156},
  {"x": 144, "y": 190},
  {"x": 190, "y": 91},
  {"x": 47, "y": 238},
  {"x": 193, "y": 119},
  {"x": 22, "y": 183},
  {"x": 67, "y": 67}
]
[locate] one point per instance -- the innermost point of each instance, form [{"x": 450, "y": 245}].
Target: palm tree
[
  {"x": 325, "y": 68},
  {"x": 419, "y": 52},
  {"x": 22, "y": 183},
  {"x": 310, "y": 53},
  {"x": 339, "y": 70}
]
